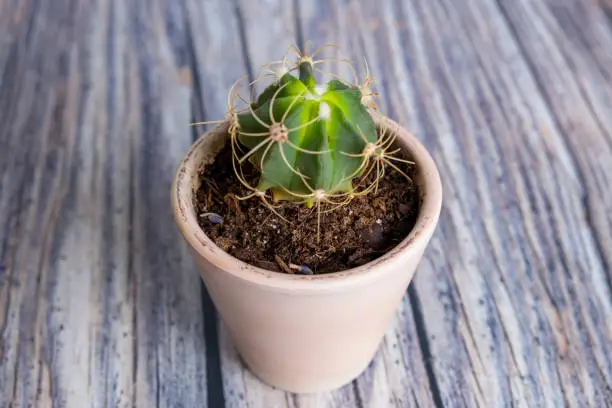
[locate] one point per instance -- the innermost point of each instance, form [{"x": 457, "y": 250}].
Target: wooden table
[{"x": 100, "y": 302}]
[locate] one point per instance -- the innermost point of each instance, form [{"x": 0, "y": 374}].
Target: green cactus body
[{"x": 307, "y": 140}]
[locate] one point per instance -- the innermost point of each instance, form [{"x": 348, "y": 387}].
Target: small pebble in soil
[
  {"x": 301, "y": 269},
  {"x": 212, "y": 217}
]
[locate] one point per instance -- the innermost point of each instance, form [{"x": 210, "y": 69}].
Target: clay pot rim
[{"x": 430, "y": 187}]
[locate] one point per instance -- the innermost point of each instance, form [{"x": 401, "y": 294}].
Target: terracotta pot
[{"x": 305, "y": 333}]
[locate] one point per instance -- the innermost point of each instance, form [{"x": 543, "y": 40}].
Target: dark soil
[{"x": 357, "y": 233}]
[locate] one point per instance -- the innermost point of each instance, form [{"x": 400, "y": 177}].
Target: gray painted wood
[
  {"x": 100, "y": 303},
  {"x": 514, "y": 277}
]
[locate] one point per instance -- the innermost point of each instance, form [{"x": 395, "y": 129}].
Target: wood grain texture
[
  {"x": 513, "y": 290},
  {"x": 575, "y": 37},
  {"x": 100, "y": 303}
]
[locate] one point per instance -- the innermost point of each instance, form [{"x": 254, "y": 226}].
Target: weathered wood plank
[
  {"x": 34, "y": 186},
  {"x": 576, "y": 38},
  {"x": 513, "y": 289},
  {"x": 171, "y": 369},
  {"x": 216, "y": 55},
  {"x": 269, "y": 29},
  {"x": 100, "y": 303},
  {"x": 88, "y": 316}
]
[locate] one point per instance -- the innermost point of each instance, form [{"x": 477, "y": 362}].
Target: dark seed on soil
[
  {"x": 301, "y": 269},
  {"x": 212, "y": 217}
]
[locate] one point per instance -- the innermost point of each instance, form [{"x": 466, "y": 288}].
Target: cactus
[{"x": 310, "y": 141}]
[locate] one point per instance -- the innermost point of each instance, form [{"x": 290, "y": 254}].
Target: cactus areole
[{"x": 308, "y": 140}]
